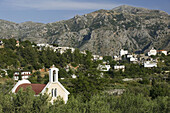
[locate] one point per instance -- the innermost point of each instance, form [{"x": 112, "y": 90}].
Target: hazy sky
[{"x": 47, "y": 11}]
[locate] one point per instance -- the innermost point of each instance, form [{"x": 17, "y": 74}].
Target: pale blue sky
[{"x": 46, "y": 11}]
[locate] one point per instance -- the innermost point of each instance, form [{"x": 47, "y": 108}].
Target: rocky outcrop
[{"x": 102, "y": 32}]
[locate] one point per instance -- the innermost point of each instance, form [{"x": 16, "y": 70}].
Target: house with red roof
[
  {"x": 163, "y": 52},
  {"x": 53, "y": 88}
]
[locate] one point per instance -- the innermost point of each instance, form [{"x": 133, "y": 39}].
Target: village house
[
  {"x": 1, "y": 44},
  {"x": 42, "y": 45},
  {"x": 123, "y": 52},
  {"x": 53, "y": 88},
  {"x": 152, "y": 52},
  {"x": 129, "y": 56},
  {"x": 83, "y": 52},
  {"x": 61, "y": 50},
  {"x": 69, "y": 66},
  {"x": 150, "y": 64},
  {"x": 163, "y": 52},
  {"x": 24, "y": 75},
  {"x": 3, "y": 72},
  {"x": 17, "y": 43},
  {"x": 143, "y": 58},
  {"x": 116, "y": 91},
  {"x": 103, "y": 67},
  {"x": 119, "y": 67},
  {"x": 116, "y": 58},
  {"x": 73, "y": 76},
  {"x": 132, "y": 79},
  {"x": 132, "y": 58},
  {"x": 97, "y": 57}
]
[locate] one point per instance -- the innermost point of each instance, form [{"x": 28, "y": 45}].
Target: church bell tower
[{"x": 53, "y": 74}]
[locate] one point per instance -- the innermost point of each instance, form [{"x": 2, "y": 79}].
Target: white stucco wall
[{"x": 60, "y": 91}]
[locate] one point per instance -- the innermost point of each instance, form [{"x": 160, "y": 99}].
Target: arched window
[
  {"x": 54, "y": 72},
  {"x": 52, "y": 92},
  {"x": 55, "y": 92}
]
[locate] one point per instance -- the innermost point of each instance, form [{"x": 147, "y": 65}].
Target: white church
[{"x": 54, "y": 88}]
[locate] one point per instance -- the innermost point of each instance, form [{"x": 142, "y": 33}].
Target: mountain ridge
[{"x": 102, "y": 32}]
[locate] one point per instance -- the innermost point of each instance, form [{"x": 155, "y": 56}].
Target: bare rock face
[{"x": 102, "y": 32}]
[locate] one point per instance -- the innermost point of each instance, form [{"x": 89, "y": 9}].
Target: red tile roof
[
  {"x": 37, "y": 88},
  {"x": 161, "y": 50}
]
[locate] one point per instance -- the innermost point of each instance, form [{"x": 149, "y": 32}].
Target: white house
[
  {"x": 133, "y": 59},
  {"x": 116, "y": 91},
  {"x": 150, "y": 64},
  {"x": 103, "y": 67},
  {"x": 45, "y": 45},
  {"x": 131, "y": 79},
  {"x": 97, "y": 57},
  {"x": 17, "y": 43},
  {"x": 129, "y": 56},
  {"x": 1, "y": 44},
  {"x": 152, "y": 52},
  {"x": 24, "y": 75},
  {"x": 123, "y": 52},
  {"x": 42, "y": 45},
  {"x": 120, "y": 67},
  {"x": 53, "y": 88},
  {"x": 5, "y": 72},
  {"x": 116, "y": 58},
  {"x": 163, "y": 52},
  {"x": 73, "y": 76},
  {"x": 83, "y": 52},
  {"x": 101, "y": 58},
  {"x": 61, "y": 50}
]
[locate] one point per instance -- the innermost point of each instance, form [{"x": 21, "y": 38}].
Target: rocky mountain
[{"x": 102, "y": 32}]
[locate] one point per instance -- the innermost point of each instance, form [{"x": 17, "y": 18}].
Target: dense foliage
[
  {"x": 26, "y": 102},
  {"x": 89, "y": 92}
]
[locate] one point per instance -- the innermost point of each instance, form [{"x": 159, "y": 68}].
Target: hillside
[{"x": 102, "y": 32}]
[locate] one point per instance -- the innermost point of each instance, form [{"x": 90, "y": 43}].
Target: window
[
  {"x": 55, "y": 92},
  {"x": 54, "y": 72},
  {"x": 52, "y": 92}
]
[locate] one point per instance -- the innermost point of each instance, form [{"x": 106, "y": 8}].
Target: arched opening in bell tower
[{"x": 54, "y": 75}]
